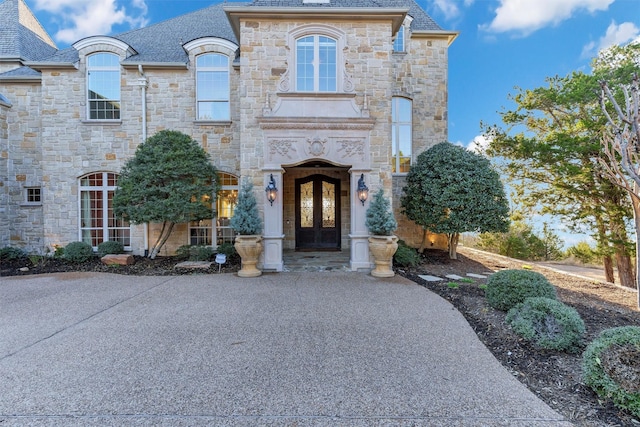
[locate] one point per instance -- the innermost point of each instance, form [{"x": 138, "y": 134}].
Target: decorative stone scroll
[
  {"x": 351, "y": 148},
  {"x": 283, "y": 148},
  {"x": 284, "y": 85}
]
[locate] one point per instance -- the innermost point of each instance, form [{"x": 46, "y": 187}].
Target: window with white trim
[
  {"x": 212, "y": 86},
  {"x": 316, "y": 64},
  {"x": 202, "y": 232},
  {"x": 398, "y": 43},
  {"x": 401, "y": 134},
  {"x": 103, "y": 86},
  {"x": 97, "y": 222},
  {"x": 33, "y": 196}
]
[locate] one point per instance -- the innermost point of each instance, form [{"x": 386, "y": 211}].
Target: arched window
[
  {"x": 316, "y": 64},
  {"x": 201, "y": 232},
  {"x": 103, "y": 86},
  {"x": 212, "y": 87},
  {"x": 97, "y": 221},
  {"x": 401, "y": 134}
]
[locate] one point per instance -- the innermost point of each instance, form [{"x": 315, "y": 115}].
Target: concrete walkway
[{"x": 304, "y": 349}]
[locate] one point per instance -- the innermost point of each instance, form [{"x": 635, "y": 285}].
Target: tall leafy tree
[
  {"x": 550, "y": 149},
  {"x": 169, "y": 180},
  {"x": 451, "y": 190},
  {"x": 621, "y": 141}
]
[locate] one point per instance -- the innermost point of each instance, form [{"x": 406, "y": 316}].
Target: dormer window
[
  {"x": 316, "y": 64},
  {"x": 212, "y": 92},
  {"x": 103, "y": 86}
]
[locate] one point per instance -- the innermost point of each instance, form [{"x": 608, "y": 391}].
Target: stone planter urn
[
  {"x": 249, "y": 248},
  {"x": 382, "y": 249}
]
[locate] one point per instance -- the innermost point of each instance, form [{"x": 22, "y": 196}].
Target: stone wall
[
  {"x": 47, "y": 141},
  {"x": 74, "y": 146},
  {"x": 21, "y": 159},
  {"x": 4, "y": 175}
]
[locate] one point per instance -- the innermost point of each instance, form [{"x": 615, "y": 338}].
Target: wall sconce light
[
  {"x": 271, "y": 190},
  {"x": 363, "y": 190}
]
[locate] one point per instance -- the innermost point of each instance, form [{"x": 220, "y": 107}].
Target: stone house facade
[{"x": 312, "y": 94}]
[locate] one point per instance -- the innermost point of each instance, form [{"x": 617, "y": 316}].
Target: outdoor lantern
[
  {"x": 363, "y": 190},
  {"x": 271, "y": 190}
]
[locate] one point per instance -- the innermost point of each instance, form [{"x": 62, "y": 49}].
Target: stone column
[
  {"x": 273, "y": 213},
  {"x": 359, "y": 234}
]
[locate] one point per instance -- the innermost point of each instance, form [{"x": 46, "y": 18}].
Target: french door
[{"x": 317, "y": 213}]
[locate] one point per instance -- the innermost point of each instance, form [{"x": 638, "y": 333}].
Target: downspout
[{"x": 143, "y": 82}]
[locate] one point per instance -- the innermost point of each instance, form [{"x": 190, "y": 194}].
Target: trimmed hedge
[
  {"x": 610, "y": 367},
  {"x": 10, "y": 253},
  {"x": 508, "y": 288},
  {"x": 78, "y": 252},
  {"x": 548, "y": 323},
  {"x": 110, "y": 247},
  {"x": 195, "y": 252}
]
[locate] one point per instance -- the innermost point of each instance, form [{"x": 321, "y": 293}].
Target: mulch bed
[{"x": 554, "y": 376}]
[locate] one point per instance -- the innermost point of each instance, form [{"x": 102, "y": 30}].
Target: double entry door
[{"x": 317, "y": 213}]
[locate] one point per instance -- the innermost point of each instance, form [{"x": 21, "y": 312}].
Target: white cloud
[
  {"x": 527, "y": 16},
  {"x": 615, "y": 35},
  {"x": 449, "y": 8},
  {"x": 479, "y": 144},
  {"x": 84, "y": 18}
]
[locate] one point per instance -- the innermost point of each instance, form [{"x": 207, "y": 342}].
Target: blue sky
[{"x": 502, "y": 43}]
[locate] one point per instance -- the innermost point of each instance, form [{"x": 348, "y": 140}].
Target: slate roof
[
  {"x": 162, "y": 42},
  {"x": 21, "y": 35},
  {"x": 21, "y": 72}
]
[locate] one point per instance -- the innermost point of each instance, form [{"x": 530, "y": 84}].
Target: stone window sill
[
  {"x": 213, "y": 122},
  {"x": 102, "y": 122}
]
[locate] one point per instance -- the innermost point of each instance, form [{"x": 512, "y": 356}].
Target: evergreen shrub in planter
[
  {"x": 382, "y": 244},
  {"x": 247, "y": 223}
]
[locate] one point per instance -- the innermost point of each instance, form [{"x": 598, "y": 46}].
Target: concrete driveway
[{"x": 302, "y": 349}]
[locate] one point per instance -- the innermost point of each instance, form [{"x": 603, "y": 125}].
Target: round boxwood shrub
[
  {"x": 548, "y": 323},
  {"x": 195, "y": 252},
  {"x": 78, "y": 252},
  {"x": 9, "y": 253},
  {"x": 229, "y": 250},
  {"x": 507, "y": 288},
  {"x": 110, "y": 247},
  {"x": 405, "y": 256},
  {"x": 611, "y": 367}
]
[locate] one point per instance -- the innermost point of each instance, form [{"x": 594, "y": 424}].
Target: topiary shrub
[
  {"x": 78, "y": 252},
  {"x": 110, "y": 247},
  {"x": 507, "y": 288},
  {"x": 195, "y": 252},
  {"x": 611, "y": 367},
  {"x": 246, "y": 216},
  {"x": 379, "y": 217},
  {"x": 405, "y": 256},
  {"x": 549, "y": 323},
  {"x": 9, "y": 253}
]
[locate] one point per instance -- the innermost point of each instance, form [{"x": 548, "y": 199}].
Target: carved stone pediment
[{"x": 333, "y": 149}]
